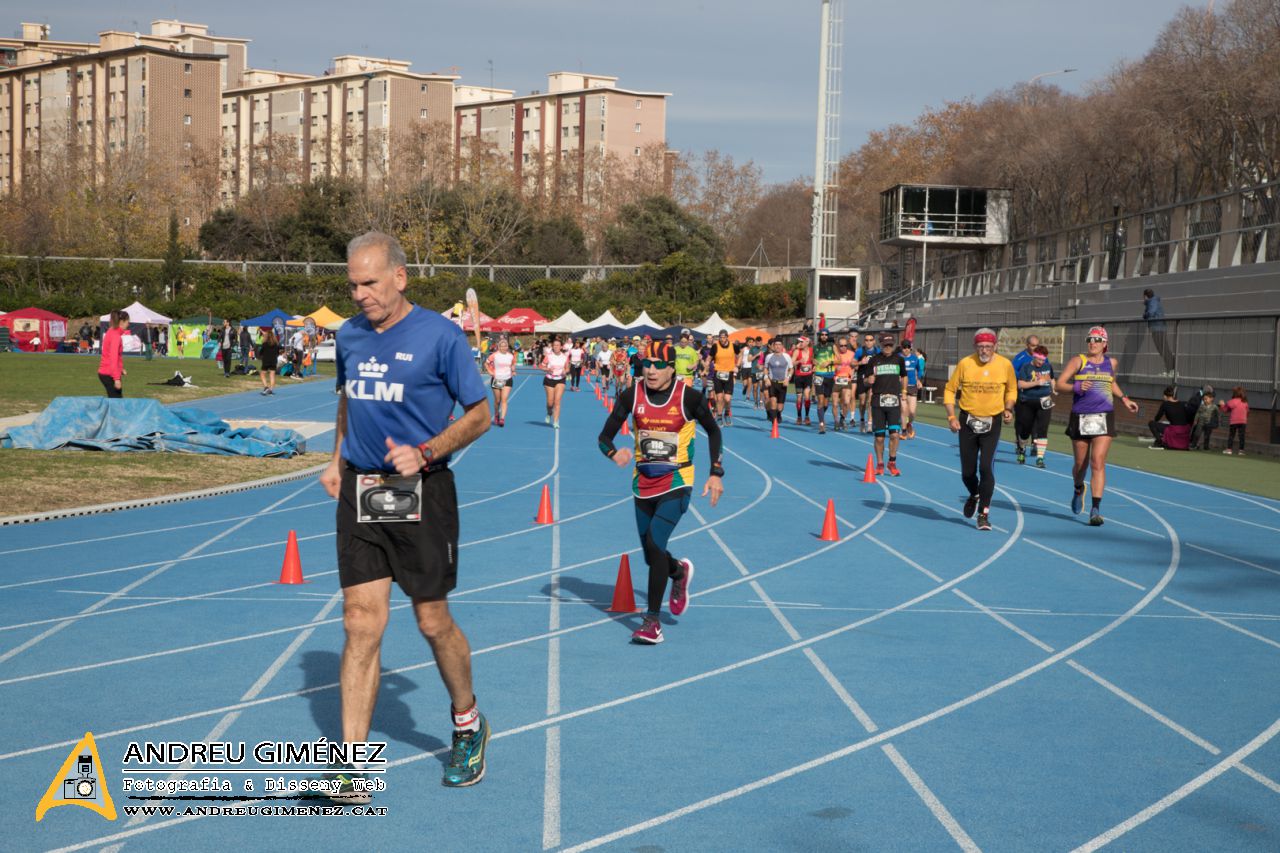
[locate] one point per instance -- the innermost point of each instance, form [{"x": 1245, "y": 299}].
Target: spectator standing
[
  {"x": 111, "y": 366},
  {"x": 1153, "y": 313},
  {"x": 246, "y": 348},
  {"x": 269, "y": 352},
  {"x": 1205, "y": 421},
  {"x": 1237, "y": 409},
  {"x": 226, "y": 341}
]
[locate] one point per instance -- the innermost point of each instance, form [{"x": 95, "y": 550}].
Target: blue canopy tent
[
  {"x": 674, "y": 332},
  {"x": 268, "y": 319},
  {"x": 606, "y": 330}
]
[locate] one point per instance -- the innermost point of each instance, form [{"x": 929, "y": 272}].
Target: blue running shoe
[
  {"x": 1077, "y": 499},
  {"x": 466, "y": 761},
  {"x": 1095, "y": 517}
]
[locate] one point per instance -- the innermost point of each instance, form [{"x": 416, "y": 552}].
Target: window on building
[
  {"x": 143, "y": 91},
  {"x": 224, "y": 109},
  {"x": 186, "y": 220},
  {"x": 187, "y": 145},
  {"x": 424, "y": 88},
  {"x": 526, "y": 112},
  {"x": 637, "y": 127},
  {"x": 639, "y": 103},
  {"x": 422, "y": 113},
  {"x": 637, "y": 152},
  {"x": 186, "y": 119},
  {"x": 186, "y": 68},
  {"x": 564, "y": 131},
  {"x": 186, "y": 93}
]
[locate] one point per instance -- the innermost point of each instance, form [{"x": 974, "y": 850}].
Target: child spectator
[
  {"x": 1205, "y": 421},
  {"x": 1237, "y": 409}
]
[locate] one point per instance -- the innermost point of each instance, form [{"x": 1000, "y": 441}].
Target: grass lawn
[
  {"x": 43, "y": 480},
  {"x": 1255, "y": 474},
  {"x": 29, "y": 381}
]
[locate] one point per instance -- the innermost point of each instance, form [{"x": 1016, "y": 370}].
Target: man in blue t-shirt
[
  {"x": 915, "y": 378},
  {"x": 862, "y": 358},
  {"x": 401, "y": 370},
  {"x": 1025, "y": 355}
]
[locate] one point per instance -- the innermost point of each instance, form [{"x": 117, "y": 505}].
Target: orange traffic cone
[
  {"x": 624, "y": 597},
  {"x": 599, "y": 396},
  {"x": 773, "y": 433},
  {"x": 624, "y": 430},
  {"x": 869, "y": 476},
  {"x": 544, "y": 508},
  {"x": 291, "y": 570},
  {"x": 830, "y": 533}
]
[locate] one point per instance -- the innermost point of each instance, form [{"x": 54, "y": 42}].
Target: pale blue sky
[{"x": 743, "y": 75}]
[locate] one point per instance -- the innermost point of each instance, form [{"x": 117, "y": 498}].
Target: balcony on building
[{"x": 944, "y": 216}]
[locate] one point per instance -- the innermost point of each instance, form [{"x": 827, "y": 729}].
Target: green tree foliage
[{"x": 656, "y": 227}]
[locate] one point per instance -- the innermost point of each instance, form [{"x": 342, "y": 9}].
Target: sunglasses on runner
[
  {"x": 1096, "y": 340},
  {"x": 659, "y": 365}
]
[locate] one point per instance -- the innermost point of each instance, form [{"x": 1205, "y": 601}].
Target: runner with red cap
[
  {"x": 664, "y": 411},
  {"x": 980, "y": 393},
  {"x": 1091, "y": 379}
]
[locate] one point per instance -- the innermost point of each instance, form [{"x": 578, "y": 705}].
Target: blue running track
[{"x": 917, "y": 685}]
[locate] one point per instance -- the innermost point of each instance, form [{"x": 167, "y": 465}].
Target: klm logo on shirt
[{"x": 371, "y": 386}]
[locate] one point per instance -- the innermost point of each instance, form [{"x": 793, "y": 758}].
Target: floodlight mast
[{"x": 827, "y": 158}]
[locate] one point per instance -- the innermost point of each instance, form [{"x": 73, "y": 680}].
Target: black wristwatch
[
  {"x": 427, "y": 454},
  {"x": 717, "y": 471}
]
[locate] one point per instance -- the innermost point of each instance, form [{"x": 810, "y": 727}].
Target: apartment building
[
  {"x": 157, "y": 93},
  {"x": 344, "y": 123},
  {"x": 550, "y": 137}
]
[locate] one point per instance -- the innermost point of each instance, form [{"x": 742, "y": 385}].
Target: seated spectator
[{"x": 1170, "y": 413}]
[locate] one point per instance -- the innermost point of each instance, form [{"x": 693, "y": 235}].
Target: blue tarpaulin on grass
[{"x": 98, "y": 423}]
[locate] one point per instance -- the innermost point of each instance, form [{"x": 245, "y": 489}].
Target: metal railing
[{"x": 1230, "y": 229}]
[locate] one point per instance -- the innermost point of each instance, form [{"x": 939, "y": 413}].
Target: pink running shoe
[
  {"x": 649, "y": 633},
  {"x": 679, "y": 600}
]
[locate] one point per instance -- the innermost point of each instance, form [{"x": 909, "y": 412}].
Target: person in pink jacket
[
  {"x": 1237, "y": 408},
  {"x": 111, "y": 366}
]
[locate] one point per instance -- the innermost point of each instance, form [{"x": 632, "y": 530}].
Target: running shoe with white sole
[
  {"x": 893, "y": 469},
  {"x": 984, "y": 523},
  {"x": 1095, "y": 517},
  {"x": 649, "y": 633},
  {"x": 466, "y": 760},
  {"x": 679, "y": 600},
  {"x": 1039, "y": 461}
]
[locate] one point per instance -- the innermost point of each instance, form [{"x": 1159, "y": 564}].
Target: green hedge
[{"x": 86, "y": 288}]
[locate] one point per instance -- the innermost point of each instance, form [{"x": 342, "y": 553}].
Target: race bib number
[
  {"x": 1092, "y": 424},
  {"x": 497, "y": 383},
  {"x": 1046, "y": 402},
  {"x": 722, "y": 375},
  {"x": 888, "y": 401},
  {"x": 842, "y": 381},
  {"x": 979, "y": 425},
  {"x": 657, "y": 446},
  {"x": 385, "y": 498}
]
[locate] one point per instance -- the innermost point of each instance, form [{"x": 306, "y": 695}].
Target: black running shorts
[
  {"x": 723, "y": 386},
  {"x": 778, "y": 391},
  {"x": 422, "y": 556},
  {"x": 885, "y": 418}
]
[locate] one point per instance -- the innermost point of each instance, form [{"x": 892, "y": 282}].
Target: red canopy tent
[
  {"x": 517, "y": 321},
  {"x": 27, "y": 324}
]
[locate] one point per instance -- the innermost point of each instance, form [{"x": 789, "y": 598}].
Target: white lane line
[
  {"x": 931, "y": 801},
  {"x": 154, "y": 530},
  {"x": 97, "y": 605},
  {"x": 948, "y": 821},
  {"x": 1224, "y": 623},
  {"x": 1083, "y": 564},
  {"x": 1234, "y": 559},
  {"x": 166, "y": 600},
  {"x": 1044, "y": 647},
  {"x": 1203, "y": 511},
  {"x": 551, "y": 772},
  {"x": 888, "y": 734},
  {"x": 1145, "y": 708},
  {"x": 904, "y": 558},
  {"x": 1176, "y": 796}
]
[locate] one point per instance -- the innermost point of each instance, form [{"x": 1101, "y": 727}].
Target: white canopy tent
[
  {"x": 139, "y": 313},
  {"x": 605, "y": 319},
  {"x": 566, "y": 323},
  {"x": 713, "y": 325},
  {"x": 643, "y": 320}
]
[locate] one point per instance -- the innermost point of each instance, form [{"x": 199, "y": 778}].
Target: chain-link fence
[{"x": 517, "y": 276}]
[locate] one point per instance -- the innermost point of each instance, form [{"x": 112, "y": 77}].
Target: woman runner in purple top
[{"x": 1091, "y": 379}]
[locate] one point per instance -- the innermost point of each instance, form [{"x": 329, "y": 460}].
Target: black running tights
[
  {"x": 977, "y": 453},
  {"x": 656, "y": 518}
]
